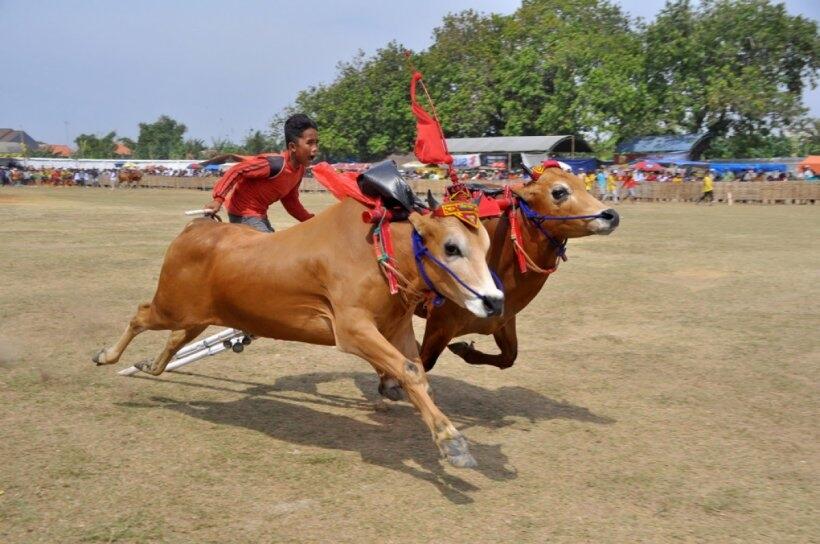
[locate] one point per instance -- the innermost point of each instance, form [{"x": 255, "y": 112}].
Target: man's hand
[{"x": 214, "y": 205}]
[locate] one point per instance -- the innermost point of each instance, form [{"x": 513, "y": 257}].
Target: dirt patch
[
  {"x": 9, "y": 199},
  {"x": 693, "y": 279}
]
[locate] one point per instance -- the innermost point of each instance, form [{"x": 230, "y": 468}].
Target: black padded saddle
[{"x": 384, "y": 181}]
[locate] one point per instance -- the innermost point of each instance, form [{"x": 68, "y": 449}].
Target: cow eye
[
  {"x": 452, "y": 250},
  {"x": 560, "y": 193}
]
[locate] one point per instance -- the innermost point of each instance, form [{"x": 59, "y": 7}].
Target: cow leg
[
  {"x": 139, "y": 323},
  {"x": 435, "y": 340},
  {"x": 176, "y": 340},
  {"x": 360, "y": 336},
  {"x": 403, "y": 340},
  {"x": 505, "y": 338}
]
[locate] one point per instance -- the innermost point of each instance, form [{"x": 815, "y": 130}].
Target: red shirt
[{"x": 254, "y": 190}]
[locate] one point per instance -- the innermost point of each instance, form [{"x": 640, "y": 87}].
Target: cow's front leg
[{"x": 357, "y": 334}]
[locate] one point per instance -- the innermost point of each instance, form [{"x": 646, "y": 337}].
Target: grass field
[{"x": 666, "y": 390}]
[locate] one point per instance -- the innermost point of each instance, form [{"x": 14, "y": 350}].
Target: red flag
[
  {"x": 341, "y": 185},
  {"x": 431, "y": 148}
]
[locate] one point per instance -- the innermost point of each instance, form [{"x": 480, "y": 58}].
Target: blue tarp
[
  {"x": 721, "y": 167},
  {"x": 213, "y": 167},
  {"x": 587, "y": 165}
]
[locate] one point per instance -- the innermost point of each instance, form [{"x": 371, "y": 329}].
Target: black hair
[{"x": 296, "y": 125}]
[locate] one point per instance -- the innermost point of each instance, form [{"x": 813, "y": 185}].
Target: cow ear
[
  {"x": 420, "y": 222},
  {"x": 432, "y": 203}
]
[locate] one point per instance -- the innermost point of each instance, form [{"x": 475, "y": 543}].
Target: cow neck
[{"x": 395, "y": 257}]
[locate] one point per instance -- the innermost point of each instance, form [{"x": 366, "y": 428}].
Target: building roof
[
  {"x": 8, "y": 135},
  {"x": 59, "y": 149},
  {"x": 123, "y": 150},
  {"x": 11, "y": 147},
  {"x": 518, "y": 144},
  {"x": 673, "y": 143}
]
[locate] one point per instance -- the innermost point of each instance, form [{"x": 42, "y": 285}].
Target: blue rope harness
[
  {"x": 420, "y": 251},
  {"x": 538, "y": 220}
]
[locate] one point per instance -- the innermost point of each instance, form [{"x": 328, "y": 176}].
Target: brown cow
[
  {"x": 555, "y": 193},
  {"x": 318, "y": 282},
  {"x": 130, "y": 177}
]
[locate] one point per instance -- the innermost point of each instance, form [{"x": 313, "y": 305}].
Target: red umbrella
[{"x": 648, "y": 166}]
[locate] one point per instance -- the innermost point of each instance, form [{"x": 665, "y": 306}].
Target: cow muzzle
[
  {"x": 605, "y": 224},
  {"x": 488, "y": 305}
]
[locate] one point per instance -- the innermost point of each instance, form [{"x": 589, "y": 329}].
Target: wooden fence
[{"x": 755, "y": 192}]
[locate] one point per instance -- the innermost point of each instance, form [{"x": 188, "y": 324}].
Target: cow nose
[
  {"x": 611, "y": 216},
  {"x": 493, "y": 305}
]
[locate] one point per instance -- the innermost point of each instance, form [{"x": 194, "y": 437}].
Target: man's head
[{"x": 302, "y": 138}]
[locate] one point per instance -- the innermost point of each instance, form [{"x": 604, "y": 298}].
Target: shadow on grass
[{"x": 394, "y": 438}]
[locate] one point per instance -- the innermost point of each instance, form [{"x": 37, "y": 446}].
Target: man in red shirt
[
  {"x": 250, "y": 187},
  {"x": 630, "y": 185}
]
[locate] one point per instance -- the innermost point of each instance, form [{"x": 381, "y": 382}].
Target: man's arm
[
  {"x": 257, "y": 168},
  {"x": 294, "y": 206}
]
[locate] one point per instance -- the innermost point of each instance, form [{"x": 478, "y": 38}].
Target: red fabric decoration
[
  {"x": 431, "y": 148},
  {"x": 341, "y": 185}
]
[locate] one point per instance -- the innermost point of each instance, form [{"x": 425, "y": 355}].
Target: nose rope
[
  {"x": 538, "y": 220},
  {"x": 420, "y": 251}
]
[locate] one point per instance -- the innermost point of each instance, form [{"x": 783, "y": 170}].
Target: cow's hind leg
[
  {"x": 176, "y": 340},
  {"x": 141, "y": 322},
  {"x": 507, "y": 341}
]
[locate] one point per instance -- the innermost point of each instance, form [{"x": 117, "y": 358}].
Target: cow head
[
  {"x": 555, "y": 192},
  {"x": 460, "y": 244}
]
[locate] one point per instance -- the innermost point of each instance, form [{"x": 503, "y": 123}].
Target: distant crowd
[{"x": 85, "y": 177}]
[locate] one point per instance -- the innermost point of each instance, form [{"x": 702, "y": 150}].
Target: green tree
[
  {"x": 736, "y": 68},
  {"x": 257, "y": 142},
  {"x": 91, "y": 146},
  {"x": 364, "y": 113},
  {"x": 162, "y": 139},
  {"x": 572, "y": 67},
  {"x": 193, "y": 148},
  {"x": 224, "y": 145},
  {"x": 729, "y": 67}
]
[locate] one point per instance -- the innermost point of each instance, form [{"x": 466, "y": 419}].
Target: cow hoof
[
  {"x": 457, "y": 452},
  {"x": 463, "y": 461},
  {"x": 392, "y": 392},
  {"x": 460, "y": 348},
  {"x": 144, "y": 366},
  {"x": 99, "y": 357}
]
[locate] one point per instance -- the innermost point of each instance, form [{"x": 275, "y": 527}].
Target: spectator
[
  {"x": 601, "y": 178},
  {"x": 630, "y": 186},
  {"x": 589, "y": 181},
  {"x": 611, "y": 189},
  {"x": 708, "y": 188}
]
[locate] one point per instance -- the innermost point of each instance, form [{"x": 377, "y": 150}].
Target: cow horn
[
  {"x": 527, "y": 170},
  {"x": 431, "y": 200}
]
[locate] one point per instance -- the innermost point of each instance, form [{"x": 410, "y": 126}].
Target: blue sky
[{"x": 221, "y": 68}]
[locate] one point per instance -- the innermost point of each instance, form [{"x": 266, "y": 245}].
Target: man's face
[{"x": 306, "y": 147}]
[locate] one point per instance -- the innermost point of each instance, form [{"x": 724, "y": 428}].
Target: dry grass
[{"x": 666, "y": 391}]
